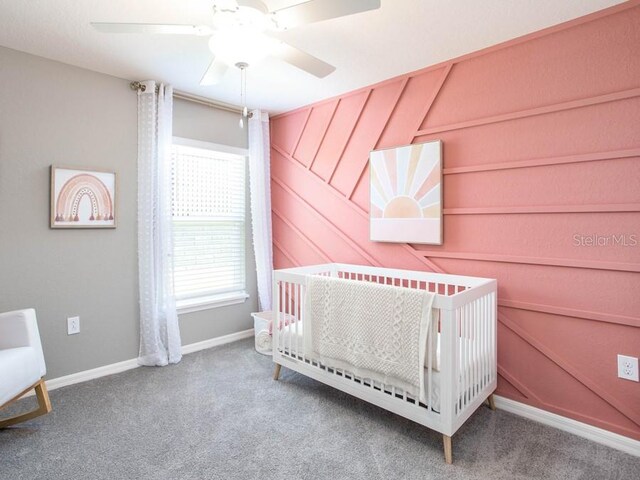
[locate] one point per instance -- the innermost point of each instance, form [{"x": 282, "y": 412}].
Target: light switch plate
[{"x": 73, "y": 325}]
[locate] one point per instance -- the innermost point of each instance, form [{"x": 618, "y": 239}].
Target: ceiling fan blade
[
  {"x": 214, "y": 73},
  {"x": 303, "y": 60},
  {"x": 319, "y": 10},
  {"x": 153, "y": 28}
]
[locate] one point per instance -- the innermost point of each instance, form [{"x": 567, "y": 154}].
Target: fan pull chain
[{"x": 243, "y": 91}]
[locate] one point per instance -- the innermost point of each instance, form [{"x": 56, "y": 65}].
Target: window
[{"x": 208, "y": 208}]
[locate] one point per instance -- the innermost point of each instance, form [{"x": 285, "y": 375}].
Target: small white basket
[{"x": 263, "y": 339}]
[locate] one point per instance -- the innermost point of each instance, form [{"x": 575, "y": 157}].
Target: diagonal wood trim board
[{"x": 532, "y": 112}]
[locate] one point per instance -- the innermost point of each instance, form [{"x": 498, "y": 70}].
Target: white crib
[{"x": 458, "y": 379}]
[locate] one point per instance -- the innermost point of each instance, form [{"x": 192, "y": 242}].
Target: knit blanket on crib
[{"x": 371, "y": 330}]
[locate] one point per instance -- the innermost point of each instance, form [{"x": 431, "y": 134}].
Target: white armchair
[{"x": 22, "y": 366}]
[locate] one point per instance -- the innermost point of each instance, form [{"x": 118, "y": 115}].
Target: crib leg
[
  {"x": 491, "y": 402},
  {"x": 276, "y": 372},
  {"x": 448, "y": 456}
]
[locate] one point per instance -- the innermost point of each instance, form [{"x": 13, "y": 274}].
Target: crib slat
[
  {"x": 463, "y": 352},
  {"x": 285, "y": 337},
  {"x": 489, "y": 340},
  {"x": 480, "y": 348},
  {"x": 490, "y": 337},
  {"x": 485, "y": 325},
  {"x": 482, "y": 345},
  {"x": 297, "y": 319},
  {"x": 490, "y": 320},
  {"x": 430, "y": 363},
  {"x": 283, "y": 309},
  {"x": 456, "y": 385},
  {"x": 494, "y": 337},
  {"x": 483, "y": 351},
  {"x": 472, "y": 351},
  {"x": 276, "y": 318},
  {"x": 290, "y": 327},
  {"x": 468, "y": 366},
  {"x": 472, "y": 344},
  {"x": 467, "y": 354},
  {"x": 461, "y": 355},
  {"x": 304, "y": 325},
  {"x": 276, "y": 324},
  {"x": 284, "y": 316},
  {"x": 492, "y": 306},
  {"x": 475, "y": 345}
]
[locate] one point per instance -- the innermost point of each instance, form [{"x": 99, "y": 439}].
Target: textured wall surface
[
  {"x": 52, "y": 113},
  {"x": 541, "y": 143}
]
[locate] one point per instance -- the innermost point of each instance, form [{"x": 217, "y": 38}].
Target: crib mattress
[{"x": 290, "y": 334}]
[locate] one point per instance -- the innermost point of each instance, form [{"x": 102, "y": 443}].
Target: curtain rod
[{"x": 196, "y": 99}]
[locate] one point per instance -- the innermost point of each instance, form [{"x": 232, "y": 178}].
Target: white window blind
[{"x": 208, "y": 208}]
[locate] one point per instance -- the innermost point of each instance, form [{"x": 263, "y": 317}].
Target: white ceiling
[{"x": 403, "y": 35}]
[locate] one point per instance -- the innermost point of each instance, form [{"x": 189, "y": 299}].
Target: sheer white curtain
[
  {"x": 260, "y": 187},
  {"x": 159, "y": 331}
]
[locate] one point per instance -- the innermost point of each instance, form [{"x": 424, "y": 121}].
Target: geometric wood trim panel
[{"x": 562, "y": 128}]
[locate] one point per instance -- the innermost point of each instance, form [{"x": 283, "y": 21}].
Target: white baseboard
[
  {"x": 599, "y": 435},
  {"x": 113, "y": 368},
  {"x": 87, "y": 375},
  {"x": 214, "y": 342}
]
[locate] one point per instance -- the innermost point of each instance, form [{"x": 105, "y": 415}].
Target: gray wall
[
  {"x": 52, "y": 113},
  {"x": 199, "y": 122}
]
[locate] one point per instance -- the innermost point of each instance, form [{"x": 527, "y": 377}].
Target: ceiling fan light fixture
[
  {"x": 251, "y": 16},
  {"x": 233, "y": 46},
  {"x": 240, "y": 32}
]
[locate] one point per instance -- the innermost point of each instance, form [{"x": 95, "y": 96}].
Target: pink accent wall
[{"x": 541, "y": 140}]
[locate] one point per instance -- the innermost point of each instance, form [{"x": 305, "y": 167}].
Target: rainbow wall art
[
  {"x": 82, "y": 199},
  {"x": 406, "y": 194}
]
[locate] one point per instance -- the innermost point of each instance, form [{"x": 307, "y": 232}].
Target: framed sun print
[
  {"x": 406, "y": 194},
  {"x": 82, "y": 198}
]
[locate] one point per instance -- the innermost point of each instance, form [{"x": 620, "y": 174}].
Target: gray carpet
[{"x": 218, "y": 414}]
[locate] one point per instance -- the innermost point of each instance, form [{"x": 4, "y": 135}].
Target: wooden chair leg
[
  {"x": 276, "y": 372},
  {"x": 42, "y": 395},
  {"x": 491, "y": 402},
  {"x": 448, "y": 455},
  {"x": 44, "y": 405}
]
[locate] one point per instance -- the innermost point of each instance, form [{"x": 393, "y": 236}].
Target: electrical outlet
[
  {"x": 628, "y": 367},
  {"x": 73, "y": 325}
]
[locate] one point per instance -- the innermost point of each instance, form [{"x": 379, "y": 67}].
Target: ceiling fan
[{"x": 242, "y": 32}]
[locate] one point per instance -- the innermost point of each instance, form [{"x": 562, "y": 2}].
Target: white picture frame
[
  {"x": 82, "y": 198},
  {"x": 405, "y": 189}
]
